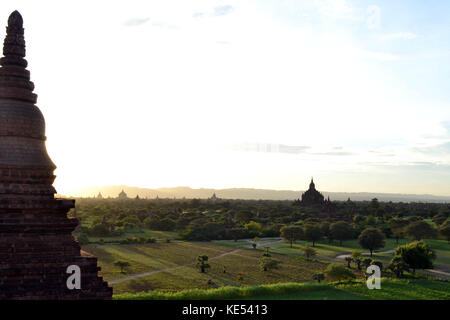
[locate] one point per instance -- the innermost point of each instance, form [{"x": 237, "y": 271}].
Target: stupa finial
[
  {"x": 15, "y": 18},
  {"x": 14, "y": 45},
  {"x": 14, "y": 78}
]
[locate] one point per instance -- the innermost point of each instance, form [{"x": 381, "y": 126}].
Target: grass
[
  {"x": 391, "y": 289},
  {"x": 179, "y": 261},
  {"x": 180, "y": 258},
  {"x": 329, "y": 251}
]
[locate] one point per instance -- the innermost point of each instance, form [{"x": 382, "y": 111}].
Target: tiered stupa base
[{"x": 36, "y": 247}]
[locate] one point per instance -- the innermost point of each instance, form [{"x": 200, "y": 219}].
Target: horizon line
[{"x": 73, "y": 191}]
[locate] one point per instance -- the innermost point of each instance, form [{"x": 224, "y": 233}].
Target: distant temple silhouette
[
  {"x": 214, "y": 197},
  {"x": 311, "y": 196},
  {"x": 123, "y": 195}
]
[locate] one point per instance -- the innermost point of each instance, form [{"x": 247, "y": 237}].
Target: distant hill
[{"x": 248, "y": 194}]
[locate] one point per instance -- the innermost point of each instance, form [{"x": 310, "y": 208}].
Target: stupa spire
[{"x": 14, "y": 78}]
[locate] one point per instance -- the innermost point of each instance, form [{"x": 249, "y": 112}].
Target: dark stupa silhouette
[{"x": 37, "y": 249}]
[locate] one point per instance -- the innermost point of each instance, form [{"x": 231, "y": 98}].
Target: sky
[{"x": 243, "y": 93}]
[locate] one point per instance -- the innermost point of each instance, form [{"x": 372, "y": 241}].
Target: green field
[
  {"x": 391, "y": 289},
  {"x": 175, "y": 266},
  {"x": 329, "y": 251}
]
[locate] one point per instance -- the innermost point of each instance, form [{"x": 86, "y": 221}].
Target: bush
[
  {"x": 377, "y": 263},
  {"x": 83, "y": 239},
  {"x": 267, "y": 263},
  {"x": 398, "y": 266},
  {"x": 337, "y": 272},
  {"x": 309, "y": 252},
  {"x": 226, "y": 292},
  {"x": 417, "y": 255},
  {"x": 318, "y": 277}
]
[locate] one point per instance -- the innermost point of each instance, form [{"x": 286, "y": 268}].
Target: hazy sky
[{"x": 238, "y": 93}]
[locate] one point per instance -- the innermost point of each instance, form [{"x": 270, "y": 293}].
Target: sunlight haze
[{"x": 256, "y": 94}]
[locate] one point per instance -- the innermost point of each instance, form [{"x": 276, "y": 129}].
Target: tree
[
  {"x": 337, "y": 272},
  {"x": 312, "y": 232},
  {"x": 255, "y": 242},
  {"x": 253, "y": 228},
  {"x": 237, "y": 233},
  {"x": 202, "y": 263},
  {"x": 372, "y": 239},
  {"x": 244, "y": 217},
  {"x": 419, "y": 230},
  {"x": 417, "y": 255},
  {"x": 99, "y": 230},
  {"x": 122, "y": 265},
  {"x": 439, "y": 218},
  {"x": 444, "y": 230},
  {"x": 356, "y": 255},
  {"x": 398, "y": 227},
  {"x": 349, "y": 260},
  {"x": 357, "y": 219},
  {"x": 318, "y": 277},
  {"x": 341, "y": 230},
  {"x": 374, "y": 204},
  {"x": 325, "y": 227},
  {"x": 267, "y": 263},
  {"x": 292, "y": 233},
  {"x": 309, "y": 252},
  {"x": 398, "y": 266},
  {"x": 370, "y": 220}
]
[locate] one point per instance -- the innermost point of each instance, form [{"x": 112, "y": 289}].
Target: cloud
[
  {"x": 270, "y": 148},
  {"x": 381, "y": 56},
  {"x": 414, "y": 165},
  {"x": 399, "y": 36},
  {"x": 333, "y": 8},
  {"x": 140, "y": 21},
  {"x": 218, "y": 11},
  {"x": 382, "y": 153},
  {"x": 223, "y": 10},
  {"x": 198, "y": 15},
  {"x": 136, "y": 22},
  {"x": 446, "y": 126},
  {"x": 439, "y": 149},
  {"x": 334, "y": 153}
]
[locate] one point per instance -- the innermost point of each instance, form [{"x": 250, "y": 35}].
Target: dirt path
[
  {"x": 140, "y": 275},
  {"x": 440, "y": 272},
  {"x": 263, "y": 244},
  {"x": 435, "y": 271},
  {"x": 343, "y": 256}
]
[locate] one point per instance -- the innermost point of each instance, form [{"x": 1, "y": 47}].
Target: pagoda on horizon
[{"x": 311, "y": 196}]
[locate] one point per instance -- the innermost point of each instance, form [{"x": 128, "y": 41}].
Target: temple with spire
[
  {"x": 311, "y": 196},
  {"x": 36, "y": 243},
  {"x": 122, "y": 195}
]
